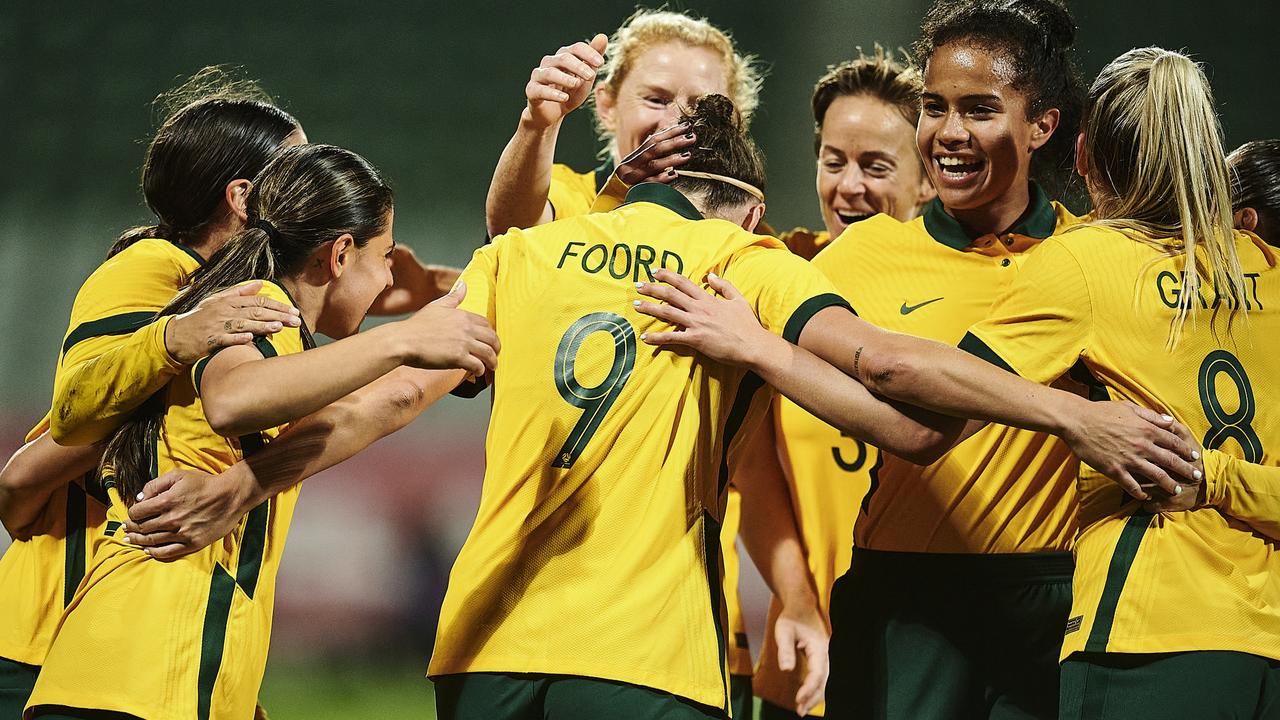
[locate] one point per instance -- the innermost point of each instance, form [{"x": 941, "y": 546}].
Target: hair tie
[
  {"x": 748, "y": 188},
  {"x": 265, "y": 226}
]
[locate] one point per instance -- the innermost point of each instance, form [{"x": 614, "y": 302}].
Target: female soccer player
[
  {"x": 318, "y": 236},
  {"x": 1161, "y": 303},
  {"x": 658, "y": 62},
  {"x": 1255, "y": 188},
  {"x": 865, "y": 113},
  {"x": 960, "y": 578},
  {"x": 221, "y": 132}
]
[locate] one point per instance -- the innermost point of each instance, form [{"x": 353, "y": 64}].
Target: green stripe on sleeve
[
  {"x": 806, "y": 311},
  {"x": 122, "y": 324},
  {"x": 711, "y": 553},
  {"x": 253, "y": 547},
  {"x": 973, "y": 345},
  {"x": 1121, "y": 561}
]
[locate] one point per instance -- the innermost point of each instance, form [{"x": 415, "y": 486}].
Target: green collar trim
[
  {"x": 664, "y": 195},
  {"x": 1039, "y": 221},
  {"x": 187, "y": 249},
  {"x": 602, "y": 174}
]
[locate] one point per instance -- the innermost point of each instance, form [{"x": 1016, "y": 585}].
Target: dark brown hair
[
  {"x": 724, "y": 148},
  {"x": 877, "y": 75},
  {"x": 1036, "y": 37},
  {"x": 308, "y": 195},
  {"x": 1254, "y": 168},
  {"x": 217, "y": 128}
]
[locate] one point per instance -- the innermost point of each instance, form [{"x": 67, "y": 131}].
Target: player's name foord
[{"x": 620, "y": 260}]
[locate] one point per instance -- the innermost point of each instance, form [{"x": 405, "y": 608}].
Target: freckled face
[{"x": 662, "y": 81}]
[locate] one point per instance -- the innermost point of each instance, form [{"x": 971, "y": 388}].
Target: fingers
[
  {"x": 1128, "y": 484},
  {"x": 486, "y": 355},
  {"x": 544, "y": 93},
  {"x": 1176, "y": 466},
  {"x": 1151, "y": 416},
  {"x": 666, "y": 313},
  {"x": 153, "y": 539},
  {"x": 454, "y": 297},
  {"x": 669, "y": 295},
  {"x": 1144, "y": 469},
  {"x": 157, "y": 524},
  {"x": 171, "y": 552},
  {"x": 679, "y": 282},
  {"x": 154, "y": 488},
  {"x": 1180, "y": 440},
  {"x": 558, "y": 76},
  {"x": 785, "y": 637},
  {"x": 818, "y": 668},
  {"x": 599, "y": 43},
  {"x": 665, "y": 338},
  {"x": 724, "y": 287}
]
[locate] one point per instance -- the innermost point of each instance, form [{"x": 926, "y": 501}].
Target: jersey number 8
[
  {"x": 594, "y": 401},
  {"x": 1223, "y": 425}
]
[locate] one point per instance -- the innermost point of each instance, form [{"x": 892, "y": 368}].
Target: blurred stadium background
[{"x": 429, "y": 92}]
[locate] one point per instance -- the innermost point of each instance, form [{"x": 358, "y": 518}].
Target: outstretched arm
[
  {"x": 416, "y": 284},
  {"x": 521, "y": 181},
  {"x": 1127, "y": 443},
  {"x": 33, "y": 474},
  {"x": 244, "y": 392},
  {"x": 770, "y": 532},
  {"x": 183, "y": 511}
]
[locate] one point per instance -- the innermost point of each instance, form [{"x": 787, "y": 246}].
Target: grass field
[{"x": 321, "y": 692}]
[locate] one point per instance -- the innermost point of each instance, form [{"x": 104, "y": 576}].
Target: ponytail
[{"x": 1153, "y": 146}]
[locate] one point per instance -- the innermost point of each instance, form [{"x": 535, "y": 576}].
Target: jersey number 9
[{"x": 594, "y": 401}]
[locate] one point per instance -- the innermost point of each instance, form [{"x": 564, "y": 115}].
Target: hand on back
[
  {"x": 442, "y": 337},
  {"x": 232, "y": 317}
]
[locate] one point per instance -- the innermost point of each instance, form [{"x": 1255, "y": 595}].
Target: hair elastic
[
  {"x": 265, "y": 226},
  {"x": 748, "y": 188}
]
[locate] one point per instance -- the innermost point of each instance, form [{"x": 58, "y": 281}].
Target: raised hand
[
  {"x": 563, "y": 81},
  {"x": 231, "y": 317},
  {"x": 442, "y": 337}
]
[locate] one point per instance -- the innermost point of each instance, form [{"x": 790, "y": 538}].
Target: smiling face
[
  {"x": 974, "y": 133},
  {"x": 359, "y": 275},
  {"x": 663, "y": 80},
  {"x": 867, "y": 163}
]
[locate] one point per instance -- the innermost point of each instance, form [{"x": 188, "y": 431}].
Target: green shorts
[
  {"x": 1199, "y": 684},
  {"x": 524, "y": 696},
  {"x": 931, "y": 635},
  {"x": 17, "y": 680},
  {"x": 740, "y": 699}
]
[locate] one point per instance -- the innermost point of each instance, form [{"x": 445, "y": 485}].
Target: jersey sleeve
[
  {"x": 569, "y": 194},
  {"x": 1044, "y": 321},
  {"x": 1245, "y": 491},
  {"x": 114, "y": 356},
  {"x": 481, "y": 277},
  {"x": 286, "y": 341},
  {"x": 784, "y": 290}
]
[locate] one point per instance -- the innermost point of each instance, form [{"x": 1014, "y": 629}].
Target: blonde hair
[
  {"x": 647, "y": 28},
  {"x": 1157, "y": 171}
]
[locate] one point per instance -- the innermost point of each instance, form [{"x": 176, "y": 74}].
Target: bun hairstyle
[
  {"x": 1254, "y": 170},
  {"x": 724, "y": 148},
  {"x": 217, "y": 128},
  {"x": 1036, "y": 36},
  {"x": 306, "y": 196}
]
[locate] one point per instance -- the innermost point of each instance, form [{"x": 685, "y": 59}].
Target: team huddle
[{"x": 993, "y": 459}]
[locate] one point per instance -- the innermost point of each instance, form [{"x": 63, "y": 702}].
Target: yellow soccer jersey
[
  {"x": 183, "y": 639},
  {"x": 113, "y": 356},
  {"x": 595, "y": 550},
  {"x": 1096, "y": 299},
  {"x": 739, "y": 646},
  {"x": 1004, "y": 490},
  {"x": 572, "y": 193}
]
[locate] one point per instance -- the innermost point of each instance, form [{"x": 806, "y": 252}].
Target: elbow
[
  {"x": 228, "y": 418},
  {"x": 892, "y": 374},
  {"x": 925, "y": 447}
]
